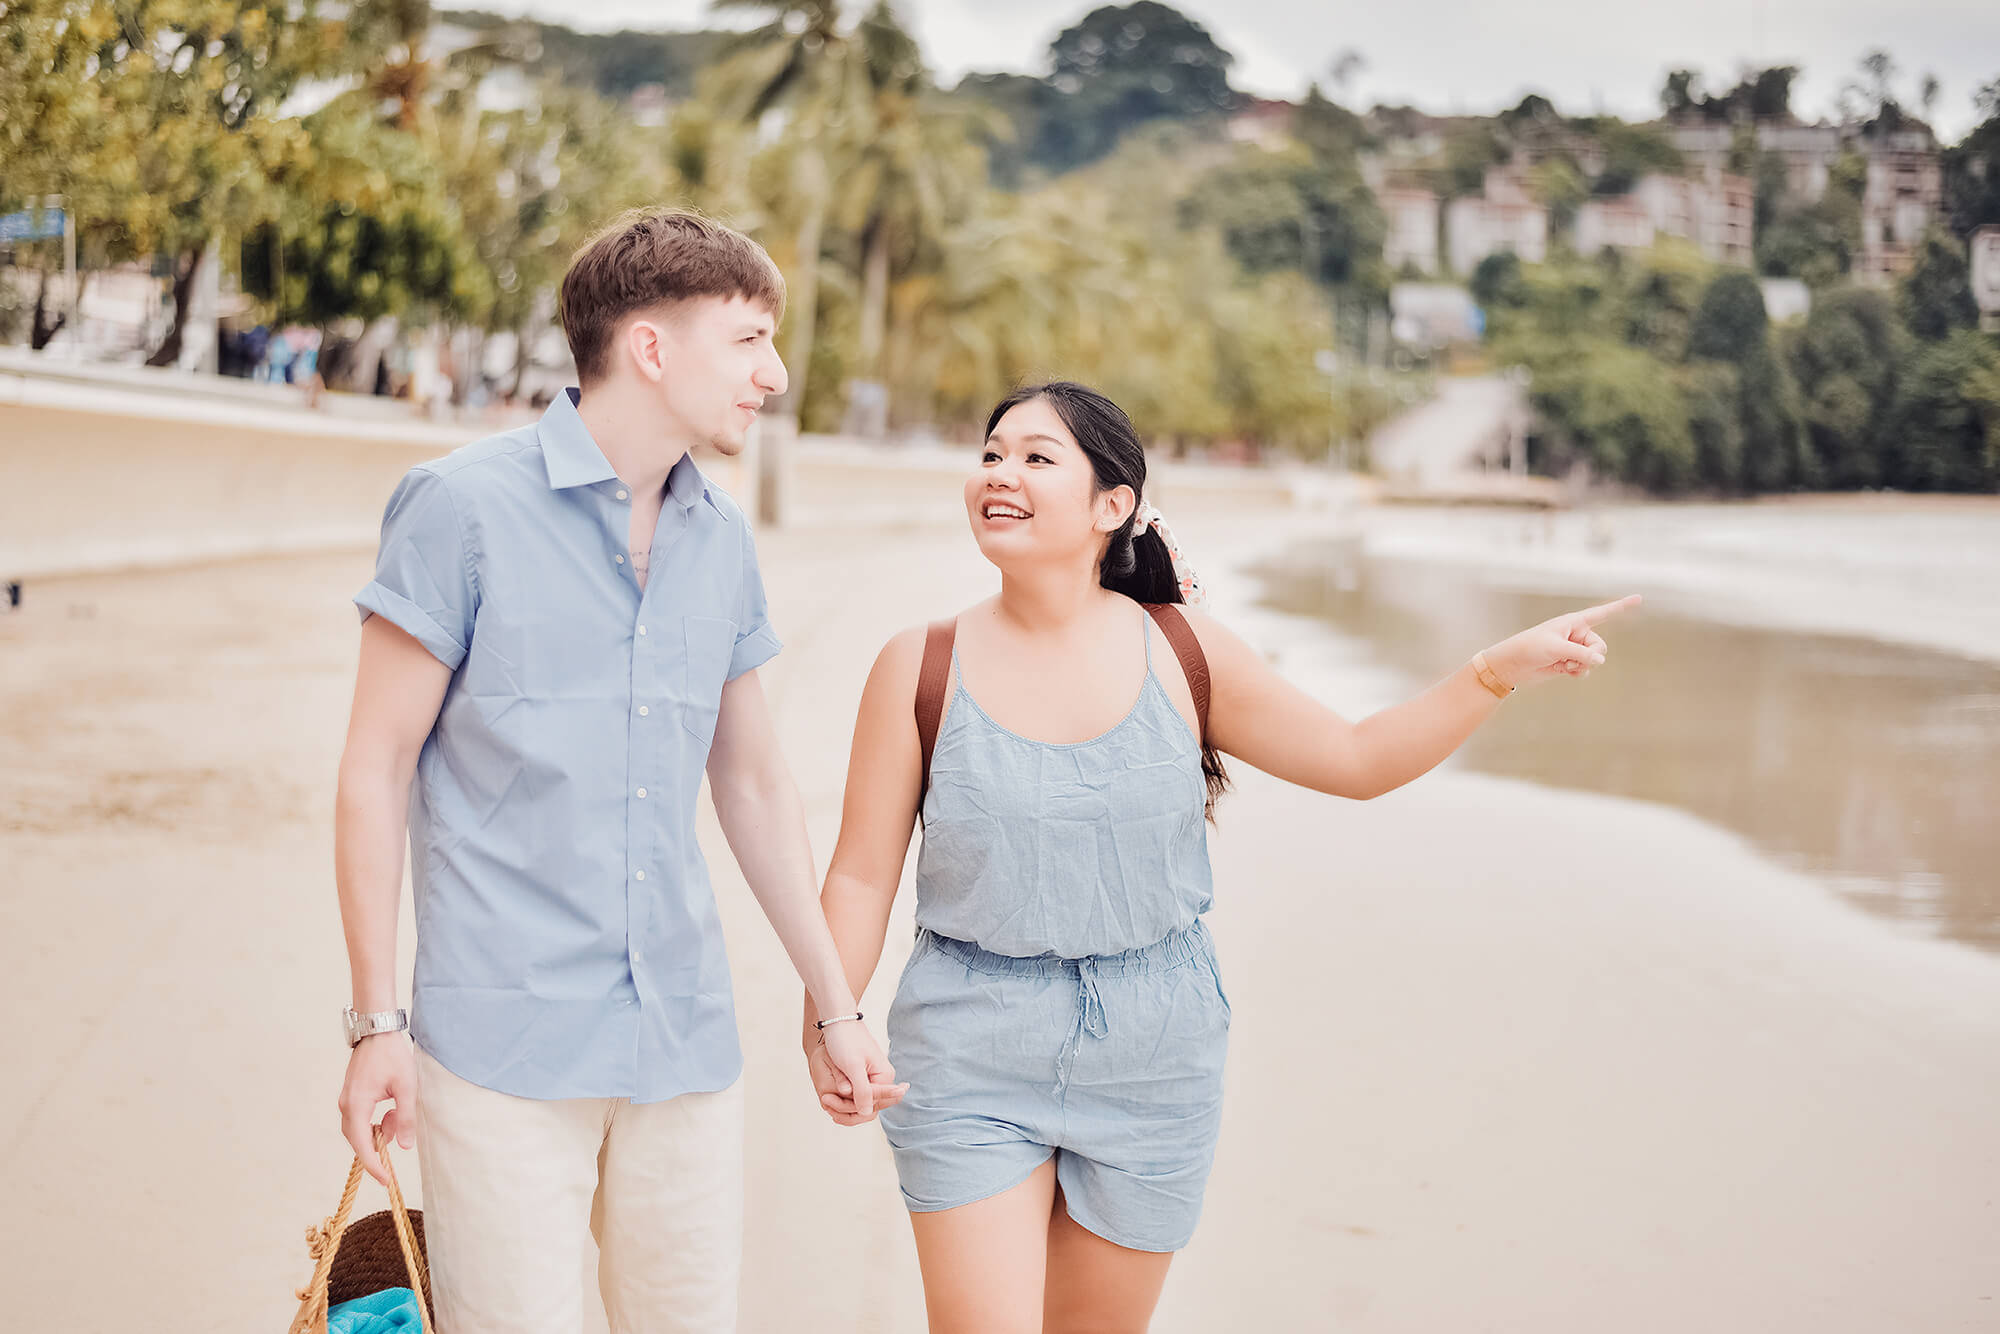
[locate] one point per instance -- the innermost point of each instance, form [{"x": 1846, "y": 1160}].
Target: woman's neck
[{"x": 1048, "y": 600}]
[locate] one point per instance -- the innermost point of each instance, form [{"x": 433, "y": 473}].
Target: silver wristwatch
[{"x": 361, "y": 1026}]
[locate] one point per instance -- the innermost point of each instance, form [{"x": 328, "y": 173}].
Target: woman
[{"x": 1061, "y": 1023}]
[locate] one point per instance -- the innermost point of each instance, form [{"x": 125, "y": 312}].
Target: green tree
[
  {"x": 1630, "y": 152},
  {"x": 1680, "y": 96},
  {"x": 1469, "y": 149},
  {"x": 1972, "y": 169},
  {"x": 160, "y": 119},
  {"x": 1304, "y": 208},
  {"x": 613, "y": 64},
  {"x": 1770, "y": 92},
  {"x": 1845, "y": 362},
  {"x": 1496, "y": 282},
  {"x": 1871, "y": 95},
  {"x": 1946, "y": 431},
  {"x": 1731, "y": 327},
  {"x": 1562, "y": 187},
  {"x": 52, "y": 122},
  {"x": 1772, "y": 181},
  {"x": 1123, "y": 65},
  {"x": 806, "y": 70},
  {"x": 1817, "y": 241},
  {"x": 1813, "y": 242},
  {"x": 1018, "y": 286},
  {"x": 918, "y": 174},
  {"x": 1936, "y": 297},
  {"x": 1713, "y": 392},
  {"x": 361, "y": 228},
  {"x": 1662, "y": 292},
  {"x": 1022, "y": 103},
  {"x": 1282, "y": 211},
  {"x": 1730, "y": 324},
  {"x": 1764, "y": 94},
  {"x": 1612, "y": 403},
  {"x": 530, "y": 185}
]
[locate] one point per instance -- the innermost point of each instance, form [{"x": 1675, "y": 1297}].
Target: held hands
[
  {"x": 1565, "y": 645},
  {"x": 852, "y": 1076}
]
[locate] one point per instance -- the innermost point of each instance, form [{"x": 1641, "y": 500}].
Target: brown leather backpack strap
[
  {"x": 931, "y": 681},
  {"x": 1194, "y": 664}
]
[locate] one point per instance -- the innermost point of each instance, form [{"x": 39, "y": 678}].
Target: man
[{"x": 563, "y": 630}]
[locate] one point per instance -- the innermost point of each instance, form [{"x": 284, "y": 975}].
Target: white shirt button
[
  {"x": 642, "y": 792},
  {"x": 621, "y": 495},
  {"x": 643, "y": 710},
  {"x": 642, "y": 629},
  {"x": 619, "y": 559},
  {"x": 639, "y": 875}
]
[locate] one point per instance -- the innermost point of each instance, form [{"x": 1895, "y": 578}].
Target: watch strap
[{"x": 359, "y": 1026}]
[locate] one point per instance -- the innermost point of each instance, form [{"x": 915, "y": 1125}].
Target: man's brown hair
[{"x": 647, "y": 258}]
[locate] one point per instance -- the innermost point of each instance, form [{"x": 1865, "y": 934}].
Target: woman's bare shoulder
[
  {"x": 902, "y": 658},
  {"x": 1224, "y": 649}
]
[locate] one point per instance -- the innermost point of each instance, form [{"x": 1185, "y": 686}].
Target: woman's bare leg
[
  {"x": 1096, "y": 1286},
  {"x": 984, "y": 1263}
]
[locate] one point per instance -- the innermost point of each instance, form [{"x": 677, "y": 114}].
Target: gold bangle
[{"x": 1488, "y": 677}]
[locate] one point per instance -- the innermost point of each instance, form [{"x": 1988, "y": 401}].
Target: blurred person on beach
[
  {"x": 561, "y": 636},
  {"x": 1061, "y": 1021}
]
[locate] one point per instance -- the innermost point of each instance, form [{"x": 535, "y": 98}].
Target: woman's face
[{"x": 1034, "y": 496}]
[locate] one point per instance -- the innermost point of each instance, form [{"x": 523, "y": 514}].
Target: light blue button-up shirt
[{"x": 567, "y": 939}]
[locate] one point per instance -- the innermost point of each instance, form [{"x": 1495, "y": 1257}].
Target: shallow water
[{"x": 1874, "y": 767}]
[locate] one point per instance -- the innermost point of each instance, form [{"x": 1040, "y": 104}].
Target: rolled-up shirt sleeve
[
  {"x": 423, "y": 580},
  {"x": 756, "y": 642}
]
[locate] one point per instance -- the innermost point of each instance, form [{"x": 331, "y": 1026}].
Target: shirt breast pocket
[{"x": 711, "y": 641}]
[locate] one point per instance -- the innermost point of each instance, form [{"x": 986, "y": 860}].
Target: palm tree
[
  {"x": 918, "y": 174},
  {"x": 404, "y": 75},
  {"x": 1023, "y": 288},
  {"x": 802, "y": 79}
]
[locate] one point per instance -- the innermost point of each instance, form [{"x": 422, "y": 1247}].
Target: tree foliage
[{"x": 1936, "y": 297}]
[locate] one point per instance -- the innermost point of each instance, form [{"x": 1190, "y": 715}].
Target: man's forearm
[
  {"x": 764, "y": 821},
  {"x": 370, "y": 826}
]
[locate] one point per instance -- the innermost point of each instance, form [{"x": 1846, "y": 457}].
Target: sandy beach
[{"x": 1505, "y": 1057}]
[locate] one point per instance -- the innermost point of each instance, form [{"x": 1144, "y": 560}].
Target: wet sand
[
  {"x": 1504, "y": 1057},
  {"x": 1869, "y": 764},
  {"x": 1904, "y": 569}
]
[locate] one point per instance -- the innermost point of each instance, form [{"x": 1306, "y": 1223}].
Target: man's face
[{"x": 720, "y": 362}]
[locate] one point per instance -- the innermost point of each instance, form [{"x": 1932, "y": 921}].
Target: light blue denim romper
[{"x": 1063, "y": 997}]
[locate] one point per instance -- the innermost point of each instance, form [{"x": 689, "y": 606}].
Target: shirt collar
[
  {"x": 573, "y": 458},
  {"x": 686, "y": 484}
]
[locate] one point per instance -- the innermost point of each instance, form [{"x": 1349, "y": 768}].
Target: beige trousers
[{"x": 511, "y": 1184}]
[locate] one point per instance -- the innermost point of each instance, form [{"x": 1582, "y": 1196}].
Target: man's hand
[
  {"x": 852, "y": 1076},
  {"x": 381, "y": 1068}
]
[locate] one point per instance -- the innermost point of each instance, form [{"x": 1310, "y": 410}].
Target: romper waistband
[{"x": 1172, "y": 952}]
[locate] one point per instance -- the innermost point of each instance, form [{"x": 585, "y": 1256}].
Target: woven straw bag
[{"x": 383, "y": 1250}]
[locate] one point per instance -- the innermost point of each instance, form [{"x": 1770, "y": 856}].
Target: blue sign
[{"x": 31, "y": 226}]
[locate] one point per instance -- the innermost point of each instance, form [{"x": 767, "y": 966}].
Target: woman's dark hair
[{"x": 1136, "y": 561}]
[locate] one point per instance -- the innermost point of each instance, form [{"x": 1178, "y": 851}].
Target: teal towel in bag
[{"x": 390, "y": 1311}]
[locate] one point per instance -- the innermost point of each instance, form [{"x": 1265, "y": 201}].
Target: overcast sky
[{"x": 1459, "y": 55}]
